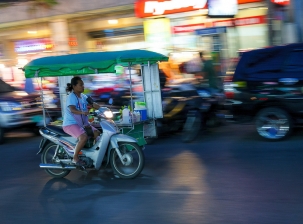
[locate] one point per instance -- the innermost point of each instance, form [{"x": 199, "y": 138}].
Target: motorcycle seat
[{"x": 57, "y": 129}]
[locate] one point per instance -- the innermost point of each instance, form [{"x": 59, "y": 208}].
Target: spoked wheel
[
  {"x": 133, "y": 160},
  {"x": 48, "y": 157},
  {"x": 273, "y": 123},
  {"x": 192, "y": 126}
]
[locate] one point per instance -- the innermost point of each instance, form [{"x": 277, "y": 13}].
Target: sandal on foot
[{"x": 79, "y": 163}]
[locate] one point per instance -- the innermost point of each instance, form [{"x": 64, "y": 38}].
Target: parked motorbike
[
  {"x": 175, "y": 103},
  {"x": 120, "y": 151},
  {"x": 205, "y": 109}
]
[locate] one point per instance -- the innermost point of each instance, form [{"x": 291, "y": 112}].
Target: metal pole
[
  {"x": 131, "y": 87},
  {"x": 151, "y": 90},
  {"x": 42, "y": 98}
]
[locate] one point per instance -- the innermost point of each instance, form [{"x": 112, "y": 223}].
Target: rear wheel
[
  {"x": 273, "y": 123},
  {"x": 48, "y": 157},
  {"x": 133, "y": 160},
  {"x": 192, "y": 126}
]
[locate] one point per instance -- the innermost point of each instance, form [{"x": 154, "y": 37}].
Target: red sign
[
  {"x": 281, "y": 2},
  {"x": 188, "y": 28},
  {"x": 228, "y": 23},
  {"x": 148, "y": 8},
  {"x": 248, "y": 1},
  {"x": 250, "y": 20},
  {"x": 72, "y": 41}
]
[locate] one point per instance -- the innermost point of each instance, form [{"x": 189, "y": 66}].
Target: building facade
[{"x": 74, "y": 26}]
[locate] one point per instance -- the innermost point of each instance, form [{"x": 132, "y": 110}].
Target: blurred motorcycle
[
  {"x": 206, "y": 109},
  {"x": 121, "y": 151},
  {"x": 176, "y": 103}
]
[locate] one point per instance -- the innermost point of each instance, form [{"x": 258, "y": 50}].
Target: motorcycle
[
  {"x": 120, "y": 143},
  {"x": 120, "y": 151},
  {"x": 205, "y": 109},
  {"x": 175, "y": 107}
]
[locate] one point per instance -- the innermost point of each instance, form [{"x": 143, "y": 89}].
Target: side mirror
[{"x": 110, "y": 101}]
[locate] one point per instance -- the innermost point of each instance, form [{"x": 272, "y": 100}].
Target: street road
[{"x": 229, "y": 175}]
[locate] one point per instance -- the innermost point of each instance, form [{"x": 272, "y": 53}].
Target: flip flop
[{"x": 79, "y": 163}]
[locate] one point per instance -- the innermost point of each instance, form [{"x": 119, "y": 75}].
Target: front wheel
[
  {"x": 273, "y": 123},
  {"x": 133, "y": 160},
  {"x": 48, "y": 157}
]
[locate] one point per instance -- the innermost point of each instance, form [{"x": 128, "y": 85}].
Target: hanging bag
[{"x": 87, "y": 128}]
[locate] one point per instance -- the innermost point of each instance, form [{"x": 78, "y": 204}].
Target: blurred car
[
  {"x": 267, "y": 88},
  {"x": 19, "y": 109}
]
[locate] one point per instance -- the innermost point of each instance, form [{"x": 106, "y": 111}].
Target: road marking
[{"x": 151, "y": 191}]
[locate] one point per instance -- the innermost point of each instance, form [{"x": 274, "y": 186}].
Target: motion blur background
[{"x": 179, "y": 29}]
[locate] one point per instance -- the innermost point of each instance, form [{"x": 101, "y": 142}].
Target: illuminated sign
[
  {"x": 254, "y": 20},
  {"x": 281, "y": 2},
  {"x": 147, "y": 8},
  {"x": 248, "y": 1},
  {"x": 222, "y": 8},
  {"x": 72, "y": 41},
  {"x": 188, "y": 28},
  {"x": 250, "y": 20},
  {"x": 35, "y": 45},
  {"x": 157, "y": 33}
]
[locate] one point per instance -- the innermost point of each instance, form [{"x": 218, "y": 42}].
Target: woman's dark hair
[{"x": 74, "y": 81}]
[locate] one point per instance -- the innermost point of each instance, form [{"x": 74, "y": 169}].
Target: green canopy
[{"x": 88, "y": 63}]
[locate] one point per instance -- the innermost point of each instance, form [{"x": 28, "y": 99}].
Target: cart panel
[{"x": 152, "y": 91}]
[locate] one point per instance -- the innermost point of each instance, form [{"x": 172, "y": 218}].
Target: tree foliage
[{"x": 33, "y": 4}]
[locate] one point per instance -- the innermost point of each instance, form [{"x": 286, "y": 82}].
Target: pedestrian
[
  {"x": 75, "y": 120},
  {"x": 208, "y": 72}
]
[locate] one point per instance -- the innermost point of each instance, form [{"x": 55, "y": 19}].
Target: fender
[
  {"x": 43, "y": 143},
  {"x": 115, "y": 139},
  {"x": 120, "y": 138}
]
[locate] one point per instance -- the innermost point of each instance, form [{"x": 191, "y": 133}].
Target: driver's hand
[{"x": 86, "y": 113}]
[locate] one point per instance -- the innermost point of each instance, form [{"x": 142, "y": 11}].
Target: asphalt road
[{"x": 229, "y": 175}]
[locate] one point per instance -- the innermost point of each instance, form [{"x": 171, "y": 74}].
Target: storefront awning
[{"x": 88, "y": 63}]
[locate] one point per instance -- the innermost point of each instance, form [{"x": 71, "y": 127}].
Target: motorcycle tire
[
  {"x": 133, "y": 157},
  {"x": 47, "y": 157},
  {"x": 192, "y": 127}
]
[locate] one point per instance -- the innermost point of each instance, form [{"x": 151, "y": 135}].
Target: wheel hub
[
  {"x": 273, "y": 127},
  {"x": 127, "y": 159}
]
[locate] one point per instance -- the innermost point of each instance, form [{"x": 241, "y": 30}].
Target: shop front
[
  {"x": 194, "y": 26},
  {"x": 24, "y": 51},
  {"x": 249, "y": 21}
]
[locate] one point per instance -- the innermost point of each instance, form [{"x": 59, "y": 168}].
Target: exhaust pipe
[{"x": 57, "y": 166}]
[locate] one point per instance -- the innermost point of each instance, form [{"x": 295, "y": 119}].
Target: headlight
[
  {"x": 108, "y": 114},
  {"x": 10, "y": 106}
]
